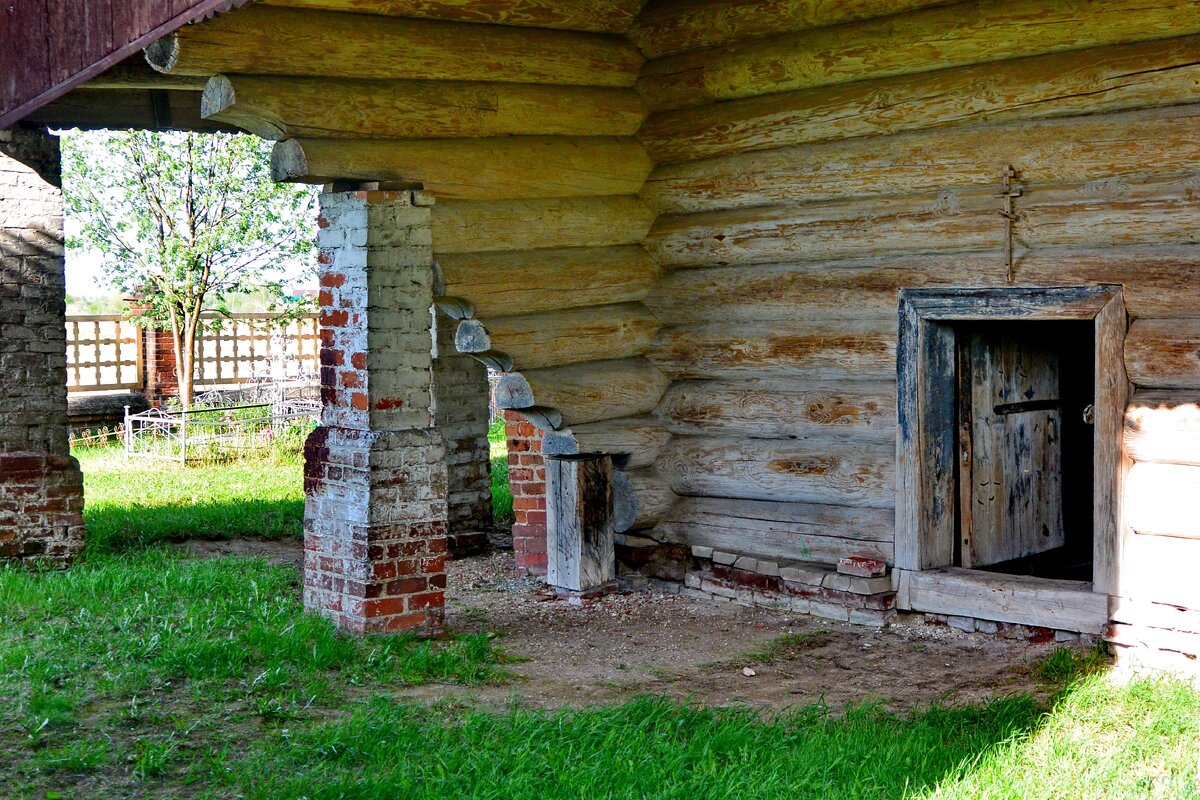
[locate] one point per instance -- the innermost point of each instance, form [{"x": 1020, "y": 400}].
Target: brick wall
[
  {"x": 527, "y": 479},
  {"x": 460, "y": 385},
  {"x": 41, "y": 488},
  {"x": 375, "y": 471}
]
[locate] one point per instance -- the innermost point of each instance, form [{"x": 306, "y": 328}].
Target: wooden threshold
[{"x": 954, "y": 591}]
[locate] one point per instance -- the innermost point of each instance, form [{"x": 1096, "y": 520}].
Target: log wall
[{"x": 803, "y": 177}]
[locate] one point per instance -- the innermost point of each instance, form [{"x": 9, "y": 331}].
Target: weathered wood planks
[
  {"x": 611, "y": 16},
  {"x": 792, "y": 531},
  {"x": 832, "y": 472},
  {"x": 326, "y": 108},
  {"x": 1102, "y": 79},
  {"x": 1164, "y": 353},
  {"x": 500, "y": 168},
  {"x": 281, "y": 41},
  {"x": 956, "y": 35},
  {"x": 579, "y": 522},
  {"x": 472, "y": 226},
  {"x": 528, "y": 282}
]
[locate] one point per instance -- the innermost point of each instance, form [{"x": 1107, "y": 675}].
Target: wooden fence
[{"x": 106, "y": 352}]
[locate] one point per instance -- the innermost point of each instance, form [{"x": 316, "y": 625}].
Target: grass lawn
[
  {"x": 143, "y": 674},
  {"x": 502, "y": 510}
]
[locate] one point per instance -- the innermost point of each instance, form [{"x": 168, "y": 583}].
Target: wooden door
[{"x": 1010, "y": 440}]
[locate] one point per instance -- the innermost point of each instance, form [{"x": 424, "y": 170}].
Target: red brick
[{"x": 427, "y": 600}]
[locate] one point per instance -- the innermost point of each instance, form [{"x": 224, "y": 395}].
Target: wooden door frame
[{"x": 926, "y": 494}]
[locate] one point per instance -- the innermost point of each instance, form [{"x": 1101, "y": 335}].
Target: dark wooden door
[{"x": 1010, "y": 441}]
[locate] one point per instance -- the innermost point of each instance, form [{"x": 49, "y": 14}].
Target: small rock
[
  {"x": 964, "y": 624},
  {"x": 749, "y": 673}
]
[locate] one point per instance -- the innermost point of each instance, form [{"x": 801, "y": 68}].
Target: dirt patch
[
  {"x": 281, "y": 551},
  {"x": 652, "y": 642}
]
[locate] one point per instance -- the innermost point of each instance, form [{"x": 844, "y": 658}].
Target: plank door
[{"x": 1010, "y": 439}]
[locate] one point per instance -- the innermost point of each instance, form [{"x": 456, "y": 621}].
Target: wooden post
[{"x": 579, "y": 522}]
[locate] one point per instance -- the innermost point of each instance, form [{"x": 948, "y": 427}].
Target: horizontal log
[
  {"x": 1170, "y": 642},
  {"x": 676, "y": 26},
  {"x": 826, "y": 290},
  {"x": 135, "y": 73},
  {"x": 260, "y": 40},
  {"x": 1163, "y": 353},
  {"x": 641, "y": 497},
  {"x": 1056, "y": 151},
  {"x": 138, "y": 109},
  {"x": 286, "y": 107},
  {"x": 506, "y": 283},
  {"x": 933, "y": 38},
  {"x": 491, "y": 226},
  {"x": 556, "y": 338},
  {"x": 837, "y": 473},
  {"x": 1154, "y": 615},
  {"x": 853, "y": 410},
  {"x": 789, "y": 531},
  {"x": 640, "y": 439},
  {"x": 1139, "y": 75},
  {"x": 611, "y": 16},
  {"x": 1164, "y": 427},
  {"x": 1161, "y": 569},
  {"x": 830, "y": 350},
  {"x": 1163, "y": 499},
  {"x": 473, "y": 169},
  {"x": 599, "y": 390},
  {"x": 1089, "y": 215}
]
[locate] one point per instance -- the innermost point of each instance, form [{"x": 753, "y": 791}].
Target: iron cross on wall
[{"x": 1009, "y": 192}]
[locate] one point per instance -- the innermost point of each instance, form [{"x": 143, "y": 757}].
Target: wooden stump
[{"x": 579, "y": 521}]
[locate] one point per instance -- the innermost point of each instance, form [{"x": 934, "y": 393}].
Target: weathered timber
[
  {"x": 138, "y": 109},
  {"x": 853, "y": 350},
  {"x": 135, "y": 73},
  {"x": 1164, "y": 427},
  {"x": 608, "y": 16},
  {"x": 858, "y": 411},
  {"x": 277, "y": 41},
  {"x": 826, "y": 471},
  {"x": 1164, "y": 353},
  {"x": 506, "y": 284},
  {"x": 556, "y": 338},
  {"x": 1185, "y": 644},
  {"x": 1111, "y": 464},
  {"x": 867, "y": 288},
  {"x": 586, "y": 392},
  {"x": 473, "y": 169},
  {"x": 1154, "y": 615},
  {"x": 1163, "y": 499},
  {"x": 676, "y": 26},
  {"x": 473, "y": 226},
  {"x": 1105, "y": 213},
  {"x": 1056, "y": 151},
  {"x": 790, "y": 531},
  {"x": 1064, "y": 605},
  {"x": 579, "y": 522},
  {"x": 639, "y": 440},
  {"x": 641, "y": 498},
  {"x": 1139, "y": 75},
  {"x": 1166, "y": 571},
  {"x": 286, "y": 107},
  {"x": 933, "y": 38}
]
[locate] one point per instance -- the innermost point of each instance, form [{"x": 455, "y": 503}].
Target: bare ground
[{"x": 650, "y": 642}]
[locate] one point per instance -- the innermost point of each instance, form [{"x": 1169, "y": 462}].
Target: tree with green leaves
[{"x": 184, "y": 221}]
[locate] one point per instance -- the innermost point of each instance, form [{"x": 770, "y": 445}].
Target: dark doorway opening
[{"x": 1024, "y": 471}]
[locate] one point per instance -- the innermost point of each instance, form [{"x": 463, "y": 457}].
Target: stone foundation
[{"x": 41, "y": 488}]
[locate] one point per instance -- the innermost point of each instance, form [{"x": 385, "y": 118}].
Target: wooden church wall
[{"x": 802, "y": 179}]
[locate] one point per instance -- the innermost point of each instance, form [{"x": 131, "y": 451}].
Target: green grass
[{"x": 502, "y": 501}]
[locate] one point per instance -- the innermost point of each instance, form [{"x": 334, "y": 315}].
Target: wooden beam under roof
[
  {"x": 136, "y": 109},
  {"x": 601, "y": 16},
  {"x": 282, "y": 41}
]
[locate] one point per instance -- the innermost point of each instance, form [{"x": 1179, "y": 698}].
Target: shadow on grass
[{"x": 114, "y": 528}]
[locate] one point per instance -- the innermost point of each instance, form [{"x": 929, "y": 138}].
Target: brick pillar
[
  {"x": 375, "y": 471},
  {"x": 460, "y": 387},
  {"x": 159, "y": 379},
  {"x": 41, "y": 488},
  {"x": 527, "y": 480}
]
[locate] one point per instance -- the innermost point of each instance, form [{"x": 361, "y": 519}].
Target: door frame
[{"x": 926, "y": 491}]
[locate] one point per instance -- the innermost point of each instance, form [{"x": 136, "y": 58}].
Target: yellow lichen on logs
[
  {"x": 676, "y": 26},
  {"x": 473, "y": 169},
  {"x": 1107, "y": 146},
  {"x": 504, "y": 284},
  {"x": 489, "y": 226},
  {"x": 556, "y": 338},
  {"x": 606, "y": 16},
  {"x": 919, "y": 41},
  {"x": 1139, "y": 75},
  {"x": 325, "y": 108},
  {"x": 281, "y": 41}
]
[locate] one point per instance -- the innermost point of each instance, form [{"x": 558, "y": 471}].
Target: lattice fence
[{"x": 104, "y": 353}]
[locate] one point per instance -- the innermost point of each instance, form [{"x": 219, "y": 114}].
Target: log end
[
  {"x": 546, "y": 419},
  {"x": 513, "y": 392},
  {"x": 455, "y": 308},
  {"x": 472, "y": 337},
  {"x": 625, "y": 505},
  {"x": 163, "y": 54},
  {"x": 495, "y": 360},
  {"x": 559, "y": 443},
  {"x": 218, "y": 96},
  {"x": 288, "y": 162}
]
